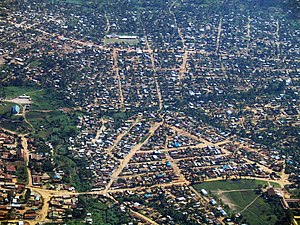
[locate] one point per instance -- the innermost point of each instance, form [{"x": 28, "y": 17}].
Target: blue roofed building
[
  {"x": 148, "y": 195},
  {"x": 15, "y": 109},
  {"x": 168, "y": 164},
  {"x": 177, "y": 144}
]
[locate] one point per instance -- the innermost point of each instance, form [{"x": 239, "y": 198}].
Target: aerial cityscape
[{"x": 137, "y": 112}]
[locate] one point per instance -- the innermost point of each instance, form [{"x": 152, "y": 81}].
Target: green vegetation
[
  {"x": 35, "y": 63},
  {"x": 5, "y": 108},
  {"x": 240, "y": 199},
  {"x": 53, "y": 125},
  {"x": 258, "y": 213},
  {"x": 43, "y": 99},
  {"x": 75, "y": 170},
  {"x": 232, "y": 184},
  {"x": 56, "y": 127},
  {"x": 49, "y": 125},
  {"x": 103, "y": 211},
  {"x": 237, "y": 194},
  {"x": 10, "y": 121},
  {"x": 47, "y": 100},
  {"x": 15, "y": 126},
  {"x": 13, "y": 123},
  {"x": 15, "y": 91},
  {"x": 144, "y": 138},
  {"x": 75, "y": 222},
  {"x": 295, "y": 192},
  {"x": 120, "y": 41},
  {"x": 119, "y": 117},
  {"x": 22, "y": 173},
  {"x": 37, "y": 118}
]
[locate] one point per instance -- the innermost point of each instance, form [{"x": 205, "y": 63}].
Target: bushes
[{"x": 22, "y": 173}]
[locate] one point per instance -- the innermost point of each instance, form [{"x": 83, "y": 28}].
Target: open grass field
[
  {"x": 13, "y": 91},
  {"x": 42, "y": 99},
  {"x": 238, "y": 199},
  {"x": 252, "y": 207},
  {"x": 240, "y": 196},
  {"x": 232, "y": 184}
]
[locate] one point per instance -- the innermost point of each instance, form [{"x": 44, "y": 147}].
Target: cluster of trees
[
  {"x": 102, "y": 210},
  {"x": 284, "y": 216},
  {"x": 22, "y": 173}
]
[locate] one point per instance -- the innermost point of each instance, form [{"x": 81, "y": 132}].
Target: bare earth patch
[
  {"x": 19, "y": 101},
  {"x": 226, "y": 200},
  {"x": 2, "y": 61}
]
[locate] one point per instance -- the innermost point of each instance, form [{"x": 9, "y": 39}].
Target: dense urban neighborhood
[{"x": 150, "y": 112}]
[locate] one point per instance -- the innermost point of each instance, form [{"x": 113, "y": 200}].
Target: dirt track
[{"x": 127, "y": 158}]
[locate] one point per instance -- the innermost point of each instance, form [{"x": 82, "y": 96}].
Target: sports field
[{"x": 241, "y": 197}]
